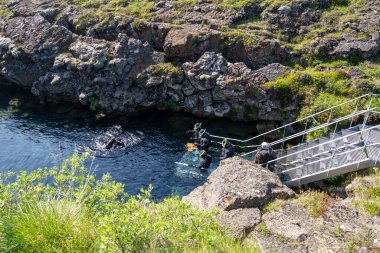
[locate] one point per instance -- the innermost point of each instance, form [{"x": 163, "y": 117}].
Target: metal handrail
[
  {"x": 297, "y": 121},
  {"x": 319, "y": 172},
  {"x": 303, "y": 165},
  {"x": 314, "y": 129},
  {"x": 348, "y": 164},
  {"x": 321, "y": 126},
  {"x": 323, "y": 144}
]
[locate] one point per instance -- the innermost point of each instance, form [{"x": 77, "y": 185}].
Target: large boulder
[
  {"x": 290, "y": 228},
  {"x": 190, "y": 41},
  {"x": 297, "y": 226},
  {"x": 238, "y": 183},
  {"x": 241, "y": 221},
  {"x": 256, "y": 56},
  {"x": 365, "y": 49}
]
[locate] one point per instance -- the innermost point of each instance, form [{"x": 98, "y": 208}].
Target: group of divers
[
  {"x": 202, "y": 140},
  {"x": 114, "y": 140}
]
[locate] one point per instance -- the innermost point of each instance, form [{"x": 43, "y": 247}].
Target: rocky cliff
[{"x": 210, "y": 58}]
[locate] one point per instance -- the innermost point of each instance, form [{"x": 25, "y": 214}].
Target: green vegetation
[
  {"x": 253, "y": 113},
  {"x": 103, "y": 12},
  {"x": 248, "y": 38},
  {"x": 322, "y": 102},
  {"x": 139, "y": 25},
  {"x": 316, "y": 202},
  {"x": 301, "y": 81},
  {"x": 75, "y": 212},
  {"x": 5, "y": 13},
  {"x": 183, "y": 4},
  {"x": 326, "y": 85},
  {"x": 238, "y": 4},
  {"x": 308, "y": 83},
  {"x": 170, "y": 104},
  {"x": 161, "y": 69},
  {"x": 274, "y": 206},
  {"x": 94, "y": 103},
  {"x": 332, "y": 25},
  {"x": 262, "y": 228},
  {"x": 367, "y": 194}
]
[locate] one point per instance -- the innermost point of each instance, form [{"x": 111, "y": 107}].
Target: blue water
[{"x": 34, "y": 135}]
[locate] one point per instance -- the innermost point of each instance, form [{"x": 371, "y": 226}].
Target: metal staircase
[{"x": 348, "y": 142}]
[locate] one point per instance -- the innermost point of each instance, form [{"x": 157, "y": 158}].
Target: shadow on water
[{"x": 34, "y": 135}]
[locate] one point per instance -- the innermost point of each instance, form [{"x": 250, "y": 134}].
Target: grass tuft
[
  {"x": 316, "y": 202},
  {"x": 367, "y": 194},
  {"x": 161, "y": 69}
]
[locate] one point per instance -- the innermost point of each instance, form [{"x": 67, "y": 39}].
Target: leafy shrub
[{"x": 66, "y": 209}]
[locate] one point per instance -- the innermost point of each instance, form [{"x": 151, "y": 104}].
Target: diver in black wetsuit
[
  {"x": 203, "y": 142},
  {"x": 204, "y": 161},
  {"x": 194, "y": 134},
  {"x": 228, "y": 150},
  {"x": 265, "y": 155}
]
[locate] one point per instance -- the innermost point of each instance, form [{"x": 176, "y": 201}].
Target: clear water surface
[{"x": 34, "y": 135}]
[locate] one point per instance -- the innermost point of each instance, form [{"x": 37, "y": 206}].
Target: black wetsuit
[
  {"x": 227, "y": 152},
  {"x": 203, "y": 143},
  {"x": 204, "y": 162},
  {"x": 194, "y": 134},
  {"x": 265, "y": 155}
]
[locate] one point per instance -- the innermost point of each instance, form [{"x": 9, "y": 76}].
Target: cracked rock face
[
  {"x": 291, "y": 229},
  {"x": 43, "y": 47},
  {"x": 57, "y": 64},
  {"x": 46, "y": 48},
  {"x": 239, "y": 188}
]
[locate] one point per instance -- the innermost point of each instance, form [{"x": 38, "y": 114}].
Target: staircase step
[
  {"x": 336, "y": 152},
  {"x": 355, "y": 128},
  {"x": 349, "y": 136},
  {"x": 335, "y": 135}
]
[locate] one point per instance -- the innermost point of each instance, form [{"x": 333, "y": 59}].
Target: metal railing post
[
  {"x": 364, "y": 148},
  {"x": 294, "y": 122},
  {"x": 331, "y": 161},
  {"x": 283, "y": 142},
  {"x": 330, "y": 115},
  {"x": 335, "y": 128},
  {"x": 367, "y": 113},
  {"x": 303, "y": 136},
  {"x": 356, "y": 108},
  {"x": 377, "y": 157}
]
